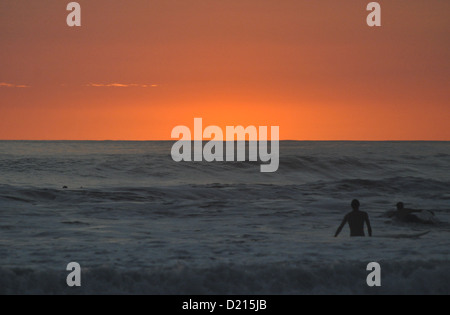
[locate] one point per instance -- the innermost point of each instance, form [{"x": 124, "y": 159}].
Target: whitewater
[{"x": 139, "y": 223}]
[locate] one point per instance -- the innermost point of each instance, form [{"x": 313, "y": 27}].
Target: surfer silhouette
[
  {"x": 407, "y": 215},
  {"x": 356, "y": 220}
]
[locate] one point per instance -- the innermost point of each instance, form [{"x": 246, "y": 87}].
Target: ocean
[{"x": 139, "y": 223}]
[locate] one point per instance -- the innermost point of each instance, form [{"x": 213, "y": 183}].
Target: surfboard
[{"x": 410, "y": 235}]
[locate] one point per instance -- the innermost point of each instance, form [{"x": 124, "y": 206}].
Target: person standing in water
[{"x": 356, "y": 220}]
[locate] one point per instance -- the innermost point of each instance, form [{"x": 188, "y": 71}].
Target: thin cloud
[
  {"x": 10, "y": 85},
  {"x": 122, "y": 85}
]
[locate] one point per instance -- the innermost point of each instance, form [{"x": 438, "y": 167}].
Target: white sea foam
[{"x": 281, "y": 278}]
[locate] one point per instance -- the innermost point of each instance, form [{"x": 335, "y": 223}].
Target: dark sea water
[{"x": 138, "y": 222}]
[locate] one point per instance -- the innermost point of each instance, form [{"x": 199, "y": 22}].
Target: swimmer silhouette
[
  {"x": 355, "y": 221},
  {"x": 407, "y": 215}
]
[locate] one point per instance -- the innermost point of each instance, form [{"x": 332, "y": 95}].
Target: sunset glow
[{"x": 136, "y": 69}]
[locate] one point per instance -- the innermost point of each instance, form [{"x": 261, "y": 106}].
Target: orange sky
[{"x": 312, "y": 67}]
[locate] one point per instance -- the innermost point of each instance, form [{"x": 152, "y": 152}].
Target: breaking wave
[{"x": 397, "y": 278}]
